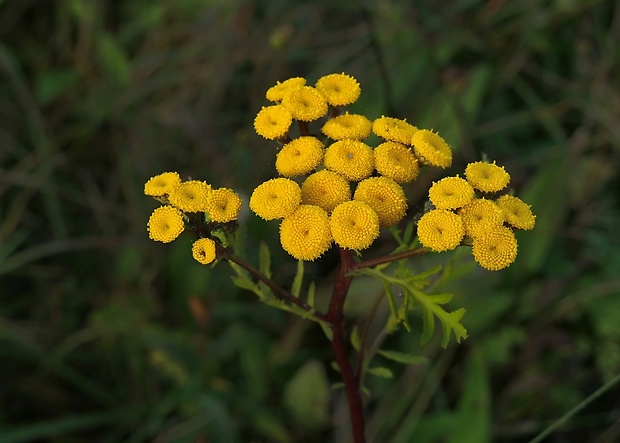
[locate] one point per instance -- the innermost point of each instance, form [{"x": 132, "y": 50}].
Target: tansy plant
[{"x": 333, "y": 190}]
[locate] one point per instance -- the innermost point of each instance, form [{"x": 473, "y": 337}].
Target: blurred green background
[{"x": 106, "y": 336}]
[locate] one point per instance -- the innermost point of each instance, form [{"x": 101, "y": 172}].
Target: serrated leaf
[
  {"x": 243, "y": 283},
  {"x": 380, "y": 372},
  {"x": 264, "y": 259},
  {"x": 299, "y": 277},
  {"x": 307, "y": 395},
  {"x": 401, "y": 357},
  {"x": 311, "y": 294},
  {"x": 441, "y": 299},
  {"x": 355, "y": 339},
  {"x": 428, "y": 325},
  {"x": 327, "y": 331},
  {"x": 452, "y": 324}
]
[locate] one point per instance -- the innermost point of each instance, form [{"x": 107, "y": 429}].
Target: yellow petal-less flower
[
  {"x": 431, "y": 149},
  {"x": 351, "y": 126},
  {"x": 440, "y": 230},
  {"x": 223, "y": 205},
  {"x": 190, "y": 196},
  {"x": 480, "y": 215},
  {"x": 305, "y": 233},
  {"x": 450, "y": 193},
  {"x": 487, "y": 177},
  {"x": 394, "y": 129},
  {"x": 397, "y": 162},
  {"x": 516, "y": 212},
  {"x": 496, "y": 249},
  {"x": 275, "y": 198},
  {"x": 273, "y": 122},
  {"x": 305, "y": 104},
  {"x": 326, "y": 189},
  {"x": 352, "y": 159},
  {"x": 300, "y": 156},
  {"x": 165, "y": 224},
  {"x": 277, "y": 92},
  {"x": 203, "y": 251},
  {"x": 354, "y": 225},
  {"x": 385, "y": 197},
  {"x": 339, "y": 89},
  {"x": 162, "y": 184}
]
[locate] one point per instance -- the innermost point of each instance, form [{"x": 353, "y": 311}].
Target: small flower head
[
  {"x": 326, "y": 189},
  {"x": 481, "y": 215},
  {"x": 299, "y": 157},
  {"x": 339, "y": 89},
  {"x": 190, "y": 196},
  {"x": 496, "y": 249},
  {"x": 516, "y": 212},
  {"x": 277, "y": 92},
  {"x": 223, "y": 205},
  {"x": 394, "y": 129},
  {"x": 351, "y": 126},
  {"x": 450, "y": 193},
  {"x": 431, "y": 148},
  {"x": 354, "y": 225},
  {"x": 350, "y": 158},
  {"x": 397, "y": 162},
  {"x": 440, "y": 230},
  {"x": 203, "y": 251},
  {"x": 275, "y": 198},
  {"x": 305, "y": 104},
  {"x": 385, "y": 197},
  {"x": 162, "y": 184},
  {"x": 165, "y": 224},
  {"x": 487, "y": 177},
  {"x": 273, "y": 122},
  {"x": 305, "y": 233}
]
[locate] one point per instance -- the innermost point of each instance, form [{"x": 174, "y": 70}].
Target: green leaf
[
  {"x": 327, "y": 331},
  {"x": 401, "y": 357},
  {"x": 299, "y": 277},
  {"x": 452, "y": 323},
  {"x": 243, "y": 283},
  {"x": 307, "y": 395},
  {"x": 51, "y": 84},
  {"x": 380, "y": 372},
  {"x": 113, "y": 59},
  {"x": 355, "y": 339},
  {"x": 311, "y": 294},
  {"x": 264, "y": 259}
]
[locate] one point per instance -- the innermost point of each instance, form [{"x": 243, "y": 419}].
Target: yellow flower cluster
[
  {"x": 460, "y": 212},
  {"x": 184, "y": 201},
  {"x": 341, "y": 190}
]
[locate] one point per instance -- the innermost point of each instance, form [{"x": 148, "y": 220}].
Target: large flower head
[
  {"x": 351, "y": 126},
  {"x": 305, "y": 233},
  {"x": 203, "y": 251},
  {"x": 354, "y": 225},
  {"x": 450, "y": 193},
  {"x": 275, "y": 198},
  {"x": 440, "y": 230},
  {"x": 487, "y": 177},
  {"x": 431, "y": 148},
  {"x": 165, "y": 224},
  {"x": 339, "y": 89},
  {"x": 385, "y": 196},
  {"x": 223, "y": 205},
  {"x": 273, "y": 122},
  {"x": 397, "y": 162},
  {"x": 480, "y": 215},
  {"x": 300, "y": 156},
  {"x": 496, "y": 249},
  {"x": 326, "y": 189},
  {"x": 394, "y": 129},
  {"x": 190, "y": 196},
  {"x": 516, "y": 212},
  {"x": 162, "y": 184},
  {"x": 350, "y": 158},
  {"x": 305, "y": 104},
  {"x": 277, "y": 92}
]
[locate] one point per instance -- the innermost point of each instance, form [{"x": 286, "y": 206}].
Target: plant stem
[{"x": 389, "y": 258}]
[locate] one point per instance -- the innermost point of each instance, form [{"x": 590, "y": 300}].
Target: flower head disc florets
[
  {"x": 496, "y": 249},
  {"x": 487, "y": 177},
  {"x": 277, "y": 92},
  {"x": 347, "y": 126},
  {"x": 162, "y": 184},
  {"x": 203, "y": 251},
  {"x": 516, "y": 212},
  {"x": 326, "y": 189},
  {"x": 273, "y": 122},
  {"x": 223, "y": 205},
  {"x": 300, "y": 156},
  {"x": 305, "y": 104},
  {"x": 440, "y": 230},
  {"x": 450, "y": 193},
  {"x": 275, "y": 198},
  {"x": 165, "y": 224},
  {"x": 190, "y": 196},
  {"x": 352, "y": 159},
  {"x": 481, "y": 215},
  {"x": 394, "y": 129},
  {"x": 305, "y": 233},
  {"x": 354, "y": 225},
  {"x": 397, "y": 162},
  {"x": 431, "y": 148},
  {"x": 385, "y": 197},
  {"x": 339, "y": 89}
]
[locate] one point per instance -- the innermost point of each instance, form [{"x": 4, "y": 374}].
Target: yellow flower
[
  {"x": 354, "y": 225},
  {"x": 339, "y": 89},
  {"x": 487, "y": 177},
  {"x": 431, "y": 148},
  {"x": 305, "y": 104},
  {"x": 397, "y": 162},
  {"x": 385, "y": 196},
  {"x": 276, "y": 93},
  {"x": 273, "y": 122},
  {"x": 440, "y": 230},
  {"x": 352, "y": 126},
  {"x": 190, "y": 196},
  {"x": 516, "y": 212},
  {"x": 165, "y": 224},
  {"x": 350, "y": 158},
  {"x": 299, "y": 157},
  {"x": 203, "y": 251},
  {"x": 394, "y": 129},
  {"x": 450, "y": 193},
  {"x": 162, "y": 184},
  {"x": 496, "y": 249},
  {"x": 305, "y": 233},
  {"x": 223, "y": 205},
  {"x": 275, "y": 198},
  {"x": 480, "y": 215},
  {"x": 326, "y": 189}
]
